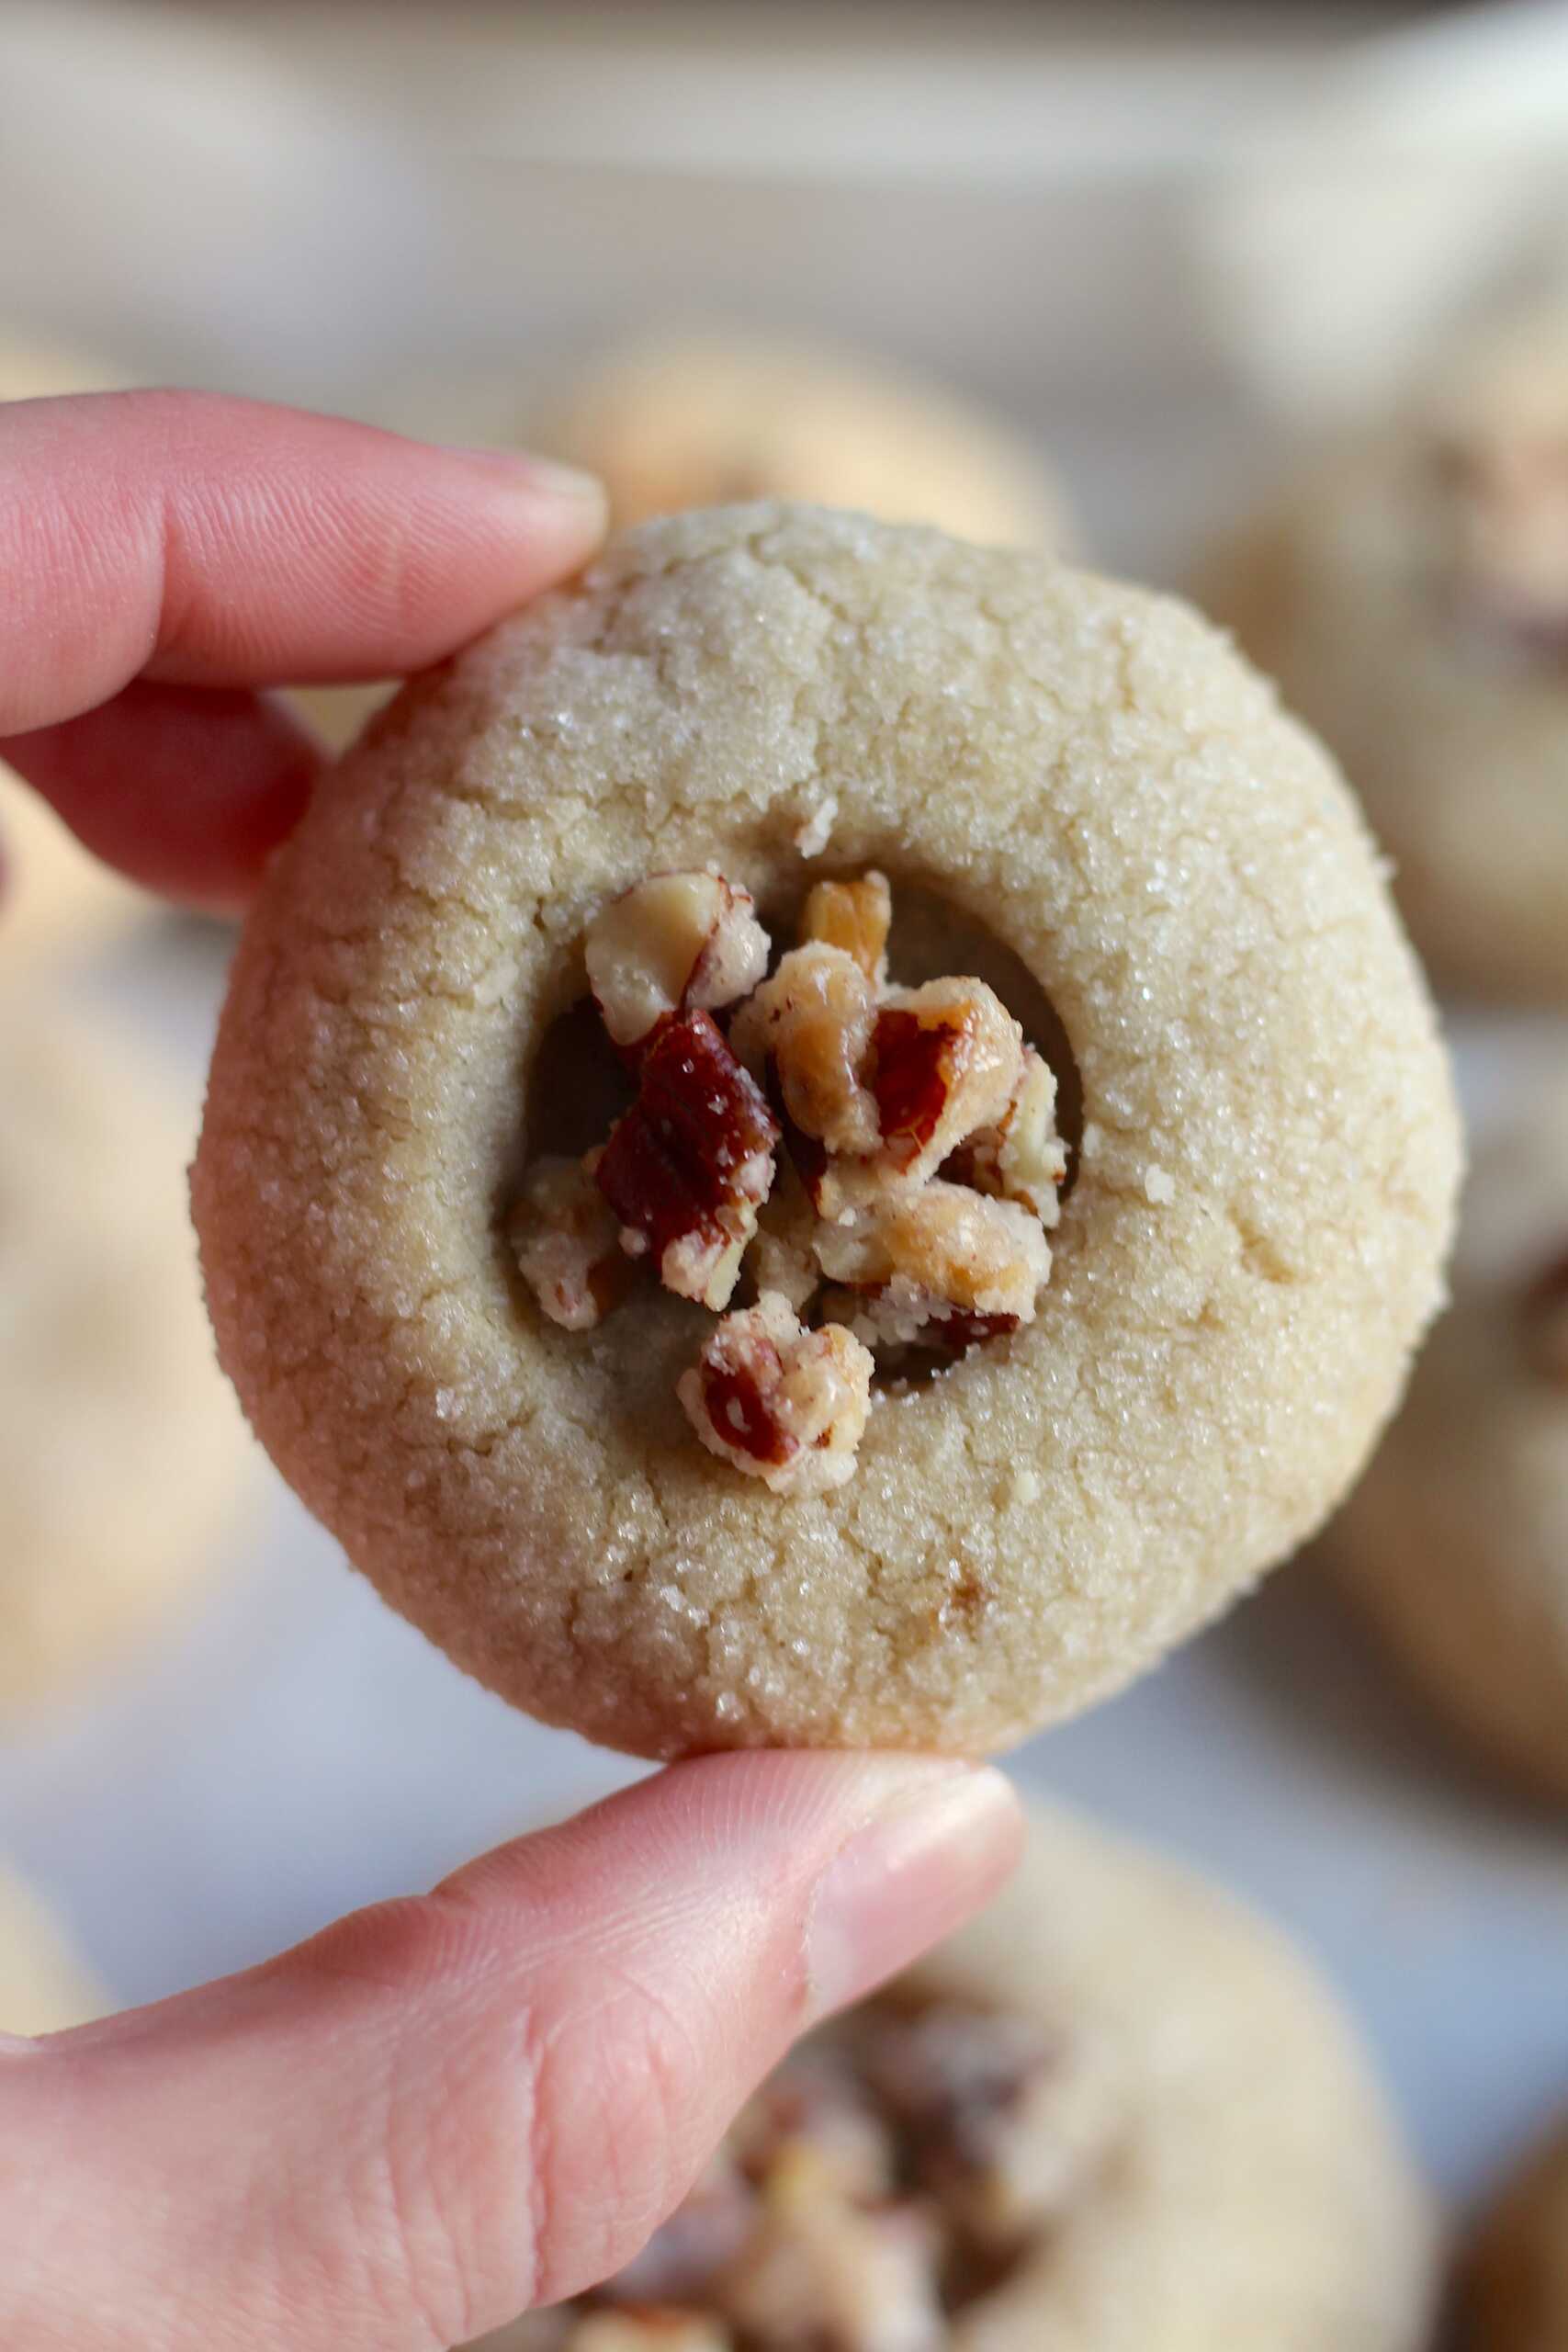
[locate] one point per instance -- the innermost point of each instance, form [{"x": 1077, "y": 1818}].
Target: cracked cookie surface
[
  {"x": 1249, "y": 1249},
  {"x": 1117, "y": 2111}
]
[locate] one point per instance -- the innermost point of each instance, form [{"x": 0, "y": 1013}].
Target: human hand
[{"x": 445, "y": 2109}]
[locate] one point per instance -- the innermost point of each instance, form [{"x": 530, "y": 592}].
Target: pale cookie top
[{"x": 1083, "y": 801}]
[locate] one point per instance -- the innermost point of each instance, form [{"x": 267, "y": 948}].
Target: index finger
[{"x": 192, "y": 539}]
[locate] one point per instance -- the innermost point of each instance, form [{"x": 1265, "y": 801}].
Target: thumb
[{"x": 447, "y": 2108}]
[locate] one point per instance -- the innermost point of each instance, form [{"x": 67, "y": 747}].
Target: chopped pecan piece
[
  {"x": 821, "y": 2270},
  {"x": 566, "y": 1241},
  {"x": 786, "y": 1404},
  {"x": 812, "y": 1022},
  {"x": 945, "y": 1061},
  {"x": 996, "y": 2119},
  {"x": 855, "y": 917},
  {"x": 674, "y": 944},
  {"x": 688, "y": 1167},
  {"x": 1020, "y": 1157},
  {"x": 814, "y": 2099},
  {"x": 941, "y": 1245},
  {"x": 781, "y": 1257}
]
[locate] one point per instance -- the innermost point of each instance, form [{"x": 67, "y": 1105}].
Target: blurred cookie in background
[
  {"x": 336, "y": 714},
  {"x": 1456, "y": 1540},
  {"x": 1116, "y": 2111},
  {"x": 56, "y": 901},
  {"x": 715, "y": 418},
  {"x": 121, "y": 1452},
  {"x": 34, "y": 367},
  {"x": 44, "y": 1986},
  {"x": 55, "y": 898},
  {"x": 1513, "y": 2283},
  {"x": 1411, "y": 597}
]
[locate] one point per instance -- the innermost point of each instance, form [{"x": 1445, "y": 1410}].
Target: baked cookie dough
[
  {"x": 1100, "y": 812},
  {"x": 1456, "y": 1540},
  {"x": 1116, "y": 2113},
  {"x": 120, "y": 1452},
  {"x": 44, "y": 1987},
  {"x": 1513, "y": 2288},
  {"x": 712, "y": 420},
  {"x": 1411, "y": 597}
]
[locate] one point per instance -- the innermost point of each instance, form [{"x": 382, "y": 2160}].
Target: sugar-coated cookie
[
  {"x": 1411, "y": 597},
  {"x": 44, "y": 1986},
  {"x": 1117, "y": 2114},
  {"x": 710, "y": 420},
  {"x": 120, "y": 1451},
  {"x": 1513, "y": 2290},
  {"x": 1455, "y": 1540},
  {"x": 1133, "y": 864}
]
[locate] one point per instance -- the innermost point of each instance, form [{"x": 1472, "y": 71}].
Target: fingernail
[
  {"x": 929, "y": 1856},
  {"x": 545, "y": 475}
]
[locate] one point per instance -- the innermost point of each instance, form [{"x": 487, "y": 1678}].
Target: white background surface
[{"x": 294, "y": 1750}]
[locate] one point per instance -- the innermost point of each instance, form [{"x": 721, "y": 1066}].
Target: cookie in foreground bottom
[
  {"x": 1117, "y": 2114},
  {"x": 1456, "y": 1540},
  {"x": 1136, "y": 894},
  {"x": 1411, "y": 597}
]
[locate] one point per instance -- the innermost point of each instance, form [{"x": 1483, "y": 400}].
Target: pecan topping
[
  {"x": 784, "y": 1403},
  {"x": 854, "y": 917},
  {"x": 946, "y": 1060},
  {"x": 567, "y": 1243},
  {"x": 811, "y": 1025},
  {"x": 673, "y": 944},
  {"x": 1020, "y": 1157},
  {"x": 920, "y": 1164},
  {"x": 945, "y": 1243},
  {"x": 690, "y": 1164}
]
